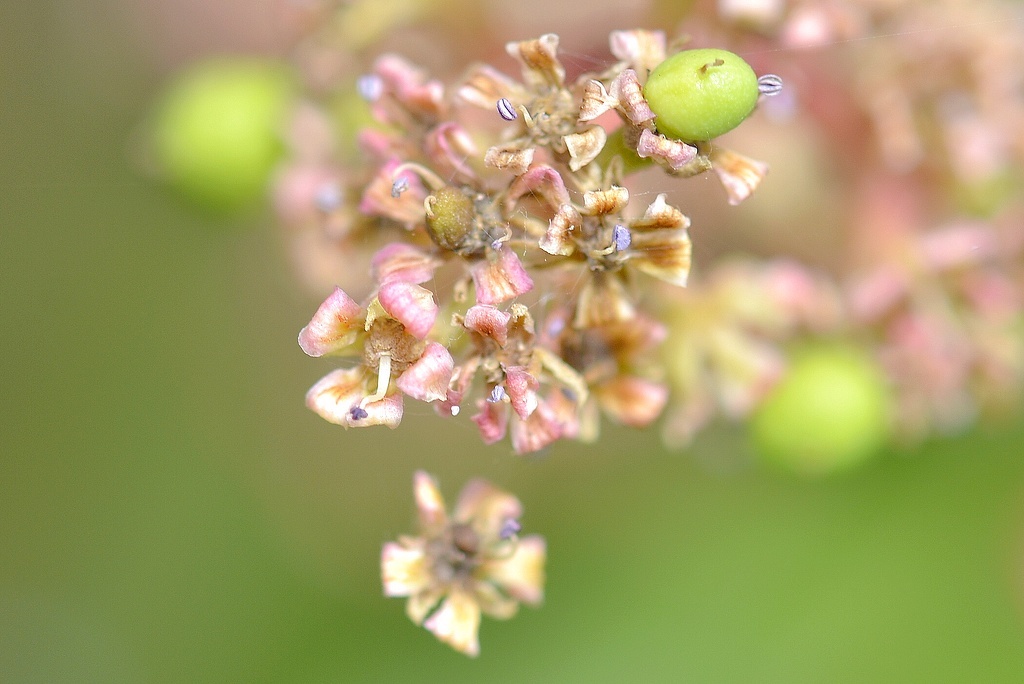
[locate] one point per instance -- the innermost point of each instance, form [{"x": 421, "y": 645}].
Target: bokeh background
[{"x": 170, "y": 511}]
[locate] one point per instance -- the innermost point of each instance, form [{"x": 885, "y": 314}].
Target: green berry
[
  {"x": 698, "y": 95},
  {"x": 217, "y": 132},
  {"x": 830, "y": 412}
]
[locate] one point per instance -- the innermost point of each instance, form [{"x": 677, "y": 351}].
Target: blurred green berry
[
  {"x": 216, "y": 133},
  {"x": 698, "y": 95},
  {"x": 831, "y": 411}
]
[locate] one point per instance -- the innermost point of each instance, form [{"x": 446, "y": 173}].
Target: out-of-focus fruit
[
  {"x": 830, "y": 412},
  {"x": 216, "y": 134}
]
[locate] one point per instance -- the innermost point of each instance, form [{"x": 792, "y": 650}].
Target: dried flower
[{"x": 460, "y": 566}]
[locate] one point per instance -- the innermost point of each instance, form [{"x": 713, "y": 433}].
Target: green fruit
[
  {"x": 698, "y": 95},
  {"x": 831, "y": 411},
  {"x": 217, "y": 132},
  {"x": 451, "y": 217}
]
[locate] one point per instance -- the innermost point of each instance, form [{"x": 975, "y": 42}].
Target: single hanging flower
[{"x": 461, "y": 566}]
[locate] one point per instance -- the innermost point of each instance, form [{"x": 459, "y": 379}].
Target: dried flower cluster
[
  {"x": 511, "y": 285},
  {"x": 494, "y": 261}
]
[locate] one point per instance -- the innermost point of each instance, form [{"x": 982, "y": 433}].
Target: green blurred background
[{"x": 171, "y": 512}]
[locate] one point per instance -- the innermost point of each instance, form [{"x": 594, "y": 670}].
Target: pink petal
[
  {"x": 538, "y": 431},
  {"x": 676, "y": 154},
  {"x": 492, "y": 421},
  {"x": 402, "y": 261},
  {"x": 449, "y": 146},
  {"x": 462, "y": 378},
  {"x": 333, "y": 327},
  {"x": 378, "y": 199},
  {"x": 542, "y": 181},
  {"x": 627, "y": 90},
  {"x": 408, "y": 85},
  {"x": 427, "y": 379},
  {"x": 522, "y": 390},
  {"x": 502, "y": 279},
  {"x": 489, "y": 322},
  {"x": 410, "y": 305}
]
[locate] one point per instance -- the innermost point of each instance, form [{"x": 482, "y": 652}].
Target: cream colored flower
[{"x": 461, "y": 566}]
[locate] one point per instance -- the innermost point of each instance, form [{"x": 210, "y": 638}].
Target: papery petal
[
  {"x": 602, "y": 301},
  {"x": 421, "y": 603},
  {"x": 665, "y": 254},
  {"x": 427, "y": 379},
  {"x": 538, "y": 57},
  {"x": 493, "y": 603},
  {"x": 673, "y": 153},
  {"x": 462, "y": 378},
  {"x": 740, "y": 175},
  {"x": 457, "y": 622},
  {"x": 583, "y": 147},
  {"x": 563, "y": 374},
  {"x": 429, "y": 503},
  {"x": 558, "y": 237},
  {"x": 660, "y": 243},
  {"x": 660, "y": 214},
  {"x": 334, "y": 326},
  {"x": 541, "y": 181},
  {"x": 602, "y": 202},
  {"x": 335, "y": 396},
  {"x": 502, "y": 279},
  {"x": 403, "y": 568},
  {"x": 629, "y": 94},
  {"x": 402, "y": 261},
  {"x": 489, "y": 322},
  {"x": 643, "y": 50},
  {"x": 595, "y": 101},
  {"x": 521, "y": 387},
  {"x": 510, "y": 157},
  {"x": 449, "y": 146},
  {"x": 491, "y": 420},
  {"x": 409, "y": 304},
  {"x": 633, "y": 401},
  {"x": 409, "y": 86},
  {"x": 485, "y": 85},
  {"x": 543, "y": 427},
  {"x": 521, "y": 575},
  {"x": 521, "y": 326}
]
